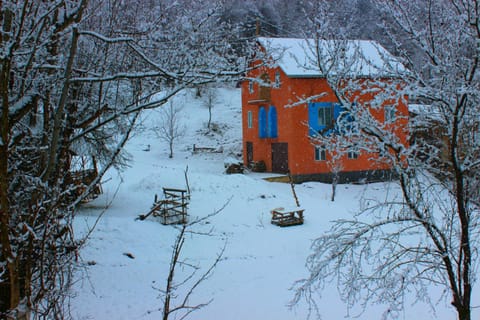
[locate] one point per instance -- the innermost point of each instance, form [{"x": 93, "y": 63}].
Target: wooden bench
[
  {"x": 285, "y": 217},
  {"x": 197, "y": 149}
]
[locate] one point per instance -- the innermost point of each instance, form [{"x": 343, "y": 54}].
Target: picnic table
[{"x": 285, "y": 217}]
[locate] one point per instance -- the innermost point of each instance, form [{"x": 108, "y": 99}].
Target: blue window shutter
[
  {"x": 345, "y": 122},
  {"x": 338, "y": 115},
  {"x": 272, "y": 122},
  {"x": 262, "y": 123},
  {"x": 337, "y": 110}
]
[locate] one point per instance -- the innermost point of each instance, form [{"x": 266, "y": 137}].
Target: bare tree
[
  {"x": 174, "y": 304},
  {"x": 210, "y": 100},
  {"x": 184, "y": 307},
  {"x": 170, "y": 128},
  {"x": 334, "y": 162},
  {"x": 426, "y": 236},
  {"x": 336, "y": 167}
]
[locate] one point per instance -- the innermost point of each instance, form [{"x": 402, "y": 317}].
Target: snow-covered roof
[{"x": 354, "y": 58}]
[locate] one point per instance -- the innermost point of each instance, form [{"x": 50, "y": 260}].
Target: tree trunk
[
  {"x": 209, "y": 116},
  {"x": 334, "y": 186},
  {"x": 60, "y": 112},
  {"x": 10, "y": 283}
]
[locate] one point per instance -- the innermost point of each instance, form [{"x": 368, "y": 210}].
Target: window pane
[
  {"x": 328, "y": 116},
  {"x": 320, "y": 154},
  {"x": 324, "y": 116},
  {"x": 321, "y": 117},
  {"x": 352, "y": 155}
]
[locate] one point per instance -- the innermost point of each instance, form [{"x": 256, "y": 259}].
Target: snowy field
[{"x": 261, "y": 261}]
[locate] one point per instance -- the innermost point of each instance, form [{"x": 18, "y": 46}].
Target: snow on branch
[
  {"x": 119, "y": 76},
  {"x": 151, "y": 62},
  {"x": 104, "y": 38},
  {"x": 307, "y": 100},
  {"x": 129, "y": 109}
]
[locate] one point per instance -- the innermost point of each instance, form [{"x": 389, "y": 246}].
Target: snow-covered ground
[{"x": 261, "y": 261}]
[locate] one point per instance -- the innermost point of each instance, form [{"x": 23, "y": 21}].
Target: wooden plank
[{"x": 174, "y": 190}]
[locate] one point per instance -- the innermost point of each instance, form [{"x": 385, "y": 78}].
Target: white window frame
[
  {"x": 250, "y": 86},
  {"x": 320, "y": 153},
  {"x": 353, "y": 153},
  {"x": 323, "y": 110},
  {"x": 250, "y": 119}
]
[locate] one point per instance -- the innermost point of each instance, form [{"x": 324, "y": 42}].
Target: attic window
[
  {"x": 276, "y": 84},
  {"x": 250, "y": 86}
]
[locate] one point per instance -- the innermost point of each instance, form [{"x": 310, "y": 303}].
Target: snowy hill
[{"x": 126, "y": 262}]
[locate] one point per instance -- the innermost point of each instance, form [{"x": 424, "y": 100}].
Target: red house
[{"x": 286, "y": 101}]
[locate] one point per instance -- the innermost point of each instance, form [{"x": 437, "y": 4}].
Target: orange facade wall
[{"x": 293, "y": 122}]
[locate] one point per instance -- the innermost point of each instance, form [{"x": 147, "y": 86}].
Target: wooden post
[
  {"x": 257, "y": 27},
  {"x": 186, "y": 179},
  {"x": 293, "y": 188}
]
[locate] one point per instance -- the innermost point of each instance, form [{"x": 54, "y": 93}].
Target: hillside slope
[{"x": 124, "y": 266}]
